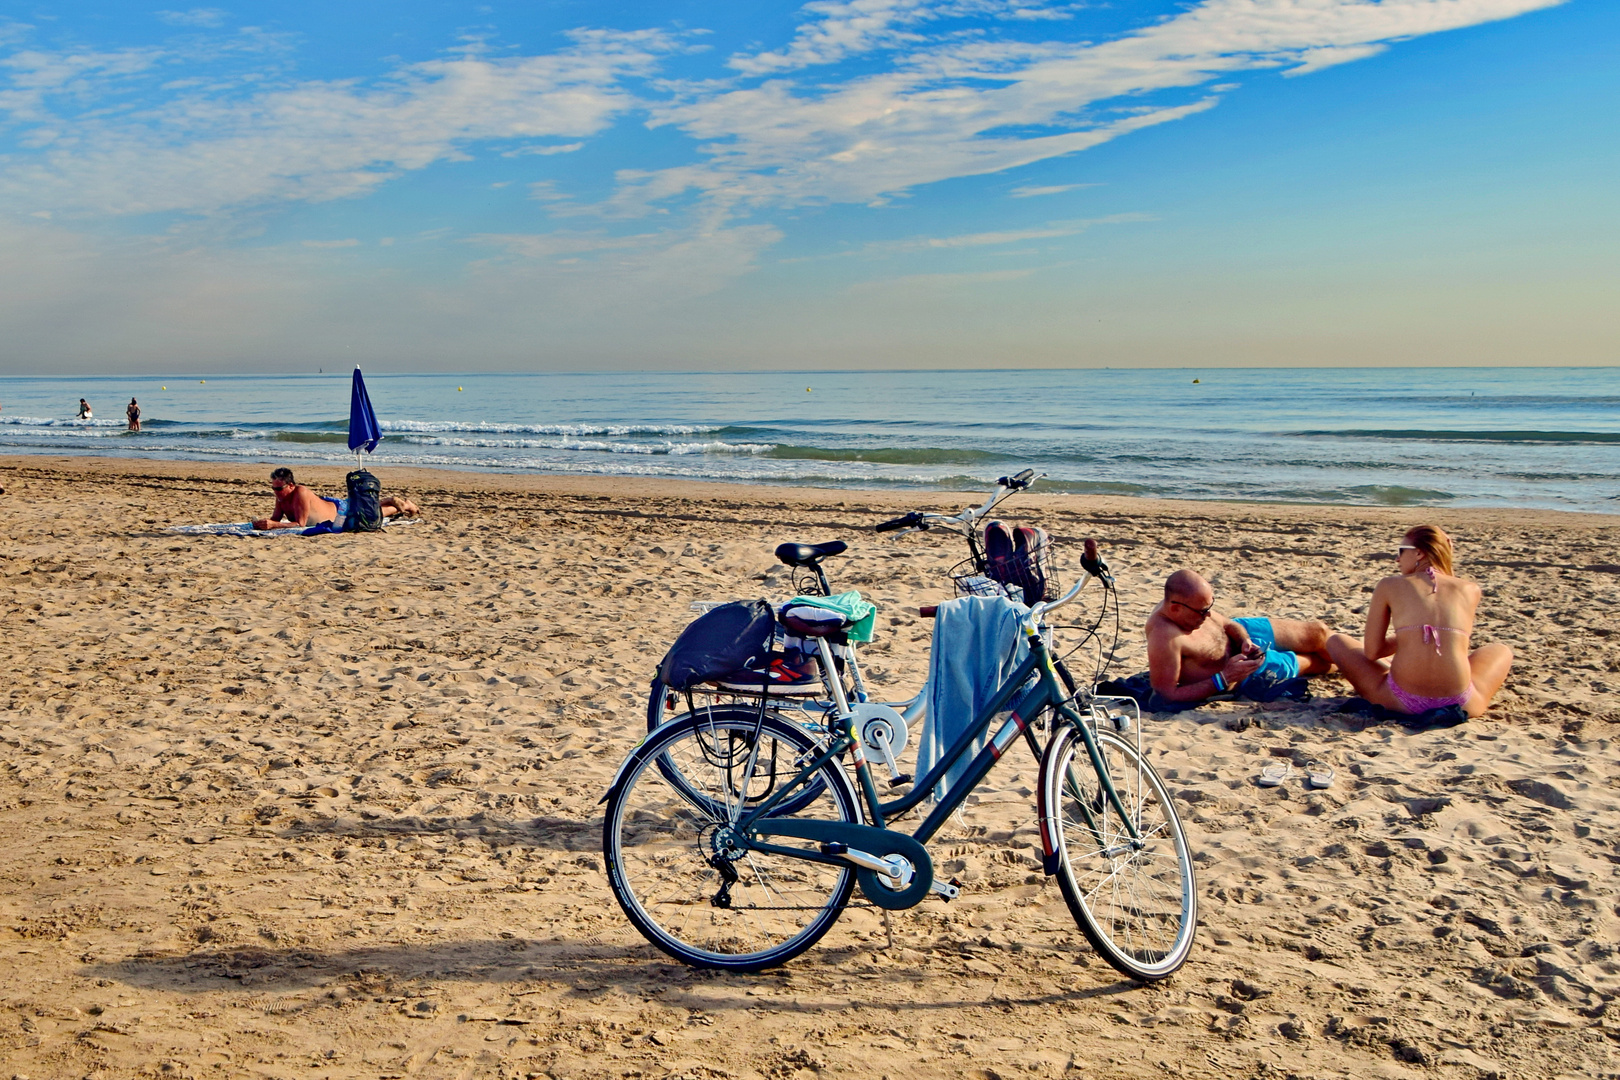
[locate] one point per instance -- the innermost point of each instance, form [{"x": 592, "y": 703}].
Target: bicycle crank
[{"x": 894, "y": 871}]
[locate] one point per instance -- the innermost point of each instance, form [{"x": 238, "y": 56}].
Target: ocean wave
[
  {"x": 63, "y": 422},
  {"x": 602, "y": 446},
  {"x": 1568, "y": 477},
  {"x": 1095, "y": 487},
  {"x": 1448, "y": 435},
  {"x": 575, "y": 430},
  {"x": 891, "y": 455},
  {"x": 295, "y": 436},
  {"x": 673, "y": 467},
  {"x": 1396, "y": 495}
]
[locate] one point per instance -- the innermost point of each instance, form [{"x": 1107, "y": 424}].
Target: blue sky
[{"x": 844, "y": 183}]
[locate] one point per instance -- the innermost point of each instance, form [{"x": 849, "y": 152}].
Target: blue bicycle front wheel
[{"x": 1132, "y": 889}]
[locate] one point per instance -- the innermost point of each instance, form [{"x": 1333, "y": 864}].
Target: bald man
[{"x": 1195, "y": 652}]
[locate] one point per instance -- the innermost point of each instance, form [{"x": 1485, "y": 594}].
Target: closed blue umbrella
[{"x": 363, "y": 429}]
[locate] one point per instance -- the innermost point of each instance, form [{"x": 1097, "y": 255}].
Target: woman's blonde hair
[{"x": 1432, "y": 541}]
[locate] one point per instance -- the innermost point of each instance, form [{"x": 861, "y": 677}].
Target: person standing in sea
[
  {"x": 84, "y": 409},
  {"x": 134, "y": 414}
]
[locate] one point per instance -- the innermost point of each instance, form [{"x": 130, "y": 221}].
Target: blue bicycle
[{"x": 734, "y": 839}]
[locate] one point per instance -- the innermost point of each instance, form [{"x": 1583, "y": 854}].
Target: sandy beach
[{"x": 328, "y": 807}]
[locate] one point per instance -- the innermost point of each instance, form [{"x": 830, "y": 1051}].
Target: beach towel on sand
[
  {"x": 1254, "y": 688},
  {"x": 1444, "y": 717},
  {"x": 245, "y": 528}
]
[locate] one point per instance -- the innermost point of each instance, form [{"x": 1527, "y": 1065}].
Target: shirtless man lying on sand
[
  {"x": 1194, "y": 651},
  {"x": 297, "y": 507}
]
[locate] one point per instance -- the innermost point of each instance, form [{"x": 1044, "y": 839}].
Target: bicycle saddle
[{"x": 809, "y": 554}]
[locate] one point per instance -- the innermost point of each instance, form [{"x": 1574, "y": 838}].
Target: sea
[{"x": 1485, "y": 437}]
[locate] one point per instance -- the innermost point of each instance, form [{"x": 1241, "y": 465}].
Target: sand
[{"x": 328, "y": 807}]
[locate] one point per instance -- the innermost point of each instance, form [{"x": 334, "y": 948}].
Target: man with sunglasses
[
  {"x": 1195, "y": 652},
  {"x": 297, "y": 507}
]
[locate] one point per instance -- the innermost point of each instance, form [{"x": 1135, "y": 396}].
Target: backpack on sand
[{"x": 365, "y": 502}]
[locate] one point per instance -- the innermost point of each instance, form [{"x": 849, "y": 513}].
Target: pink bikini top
[{"x": 1431, "y": 633}]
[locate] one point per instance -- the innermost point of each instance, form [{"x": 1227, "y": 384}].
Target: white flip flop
[
  {"x": 1319, "y": 775},
  {"x": 1276, "y": 774}
]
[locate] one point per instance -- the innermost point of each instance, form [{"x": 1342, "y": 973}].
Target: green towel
[{"x": 852, "y": 606}]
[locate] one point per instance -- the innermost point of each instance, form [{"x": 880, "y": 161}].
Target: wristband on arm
[{"x": 1220, "y": 683}]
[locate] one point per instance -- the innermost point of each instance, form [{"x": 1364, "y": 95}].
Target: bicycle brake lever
[{"x": 1094, "y": 565}]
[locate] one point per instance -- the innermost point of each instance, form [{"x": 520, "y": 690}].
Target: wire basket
[{"x": 1027, "y": 577}]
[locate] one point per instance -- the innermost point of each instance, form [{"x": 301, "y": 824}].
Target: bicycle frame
[{"x": 1048, "y": 692}]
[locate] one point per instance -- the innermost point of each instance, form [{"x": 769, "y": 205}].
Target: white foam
[
  {"x": 63, "y": 422},
  {"x": 715, "y": 446},
  {"x": 430, "y": 426}
]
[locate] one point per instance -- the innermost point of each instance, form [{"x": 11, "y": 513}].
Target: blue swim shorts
[
  {"x": 343, "y": 515},
  {"x": 1279, "y": 663}
]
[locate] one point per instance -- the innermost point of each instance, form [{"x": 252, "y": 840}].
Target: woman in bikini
[{"x": 1432, "y": 613}]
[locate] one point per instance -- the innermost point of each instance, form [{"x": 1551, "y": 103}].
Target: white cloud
[
  {"x": 311, "y": 141},
  {"x": 563, "y": 148},
  {"x": 1050, "y": 231},
  {"x": 1330, "y": 55},
  {"x": 206, "y": 17},
  {"x": 946, "y": 104},
  {"x": 351, "y": 242},
  {"x": 32, "y": 76},
  {"x": 1046, "y": 189},
  {"x": 843, "y": 28},
  {"x": 947, "y": 109}
]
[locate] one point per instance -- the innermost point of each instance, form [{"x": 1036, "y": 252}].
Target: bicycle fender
[
  {"x": 1049, "y": 803},
  {"x": 624, "y": 766},
  {"x": 879, "y": 842}
]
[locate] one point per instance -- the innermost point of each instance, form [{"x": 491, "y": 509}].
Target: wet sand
[{"x": 328, "y": 807}]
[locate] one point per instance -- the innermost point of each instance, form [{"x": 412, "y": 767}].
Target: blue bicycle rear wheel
[{"x": 684, "y": 880}]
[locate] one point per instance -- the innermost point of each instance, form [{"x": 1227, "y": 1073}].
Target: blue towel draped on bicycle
[{"x": 734, "y": 838}]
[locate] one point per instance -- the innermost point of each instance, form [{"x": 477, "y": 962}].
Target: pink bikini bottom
[{"x": 1412, "y": 704}]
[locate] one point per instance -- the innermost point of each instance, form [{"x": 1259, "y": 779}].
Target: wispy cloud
[
  {"x": 839, "y": 29},
  {"x": 1051, "y": 231},
  {"x": 956, "y": 106},
  {"x": 940, "y": 94},
  {"x": 206, "y": 17},
  {"x": 310, "y": 141},
  {"x": 32, "y": 76},
  {"x": 1046, "y": 189}
]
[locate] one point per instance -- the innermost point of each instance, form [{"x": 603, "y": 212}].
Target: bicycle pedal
[
  {"x": 903, "y": 778},
  {"x": 835, "y": 848},
  {"x": 950, "y": 890}
]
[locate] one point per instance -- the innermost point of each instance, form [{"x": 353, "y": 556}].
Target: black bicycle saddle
[{"x": 809, "y": 554}]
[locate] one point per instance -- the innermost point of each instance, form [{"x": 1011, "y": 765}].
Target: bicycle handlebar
[
  {"x": 907, "y": 521},
  {"x": 1018, "y": 481}
]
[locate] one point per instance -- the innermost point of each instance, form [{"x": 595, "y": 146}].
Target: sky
[{"x": 562, "y": 185}]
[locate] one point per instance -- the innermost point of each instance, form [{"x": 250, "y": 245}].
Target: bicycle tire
[
  {"x": 665, "y": 853},
  {"x": 1137, "y": 906}
]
